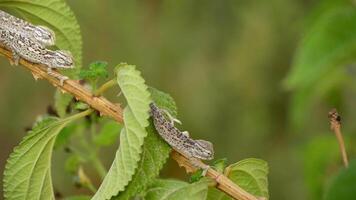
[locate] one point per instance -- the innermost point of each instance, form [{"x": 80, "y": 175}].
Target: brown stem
[
  {"x": 335, "y": 125},
  {"x": 222, "y": 182},
  {"x": 105, "y": 107}
]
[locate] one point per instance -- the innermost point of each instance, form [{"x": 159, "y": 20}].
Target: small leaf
[
  {"x": 27, "y": 172},
  {"x": 220, "y": 164},
  {"x": 61, "y": 102},
  {"x": 343, "y": 187},
  {"x": 56, "y": 15},
  {"x": 96, "y": 70},
  {"x": 135, "y": 91},
  {"x": 108, "y": 134},
  {"x": 178, "y": 190},
  {"x": 251, "y": 175},
  {"x": 196, "y": 176},
  {"x": 81, "y": 106}
]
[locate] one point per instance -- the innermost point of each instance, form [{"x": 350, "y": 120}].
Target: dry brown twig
[
  {"x": 107, "y": 108},
  {"x": 335, "y": 125}
]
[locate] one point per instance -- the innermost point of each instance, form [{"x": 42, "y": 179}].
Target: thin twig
[
  {"x": 105, "y": 87},
  {"x": 335, "y": 125},
  {"x": 105, "y": 107}
]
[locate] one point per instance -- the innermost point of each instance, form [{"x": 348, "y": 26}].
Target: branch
[
  {"x": 105, "y": 107},
  {"x": 222, "y": 182},
  {"x": 335, "y": 125}
]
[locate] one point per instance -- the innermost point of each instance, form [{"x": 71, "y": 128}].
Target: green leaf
[
  {"x": 250, "y": 174},
  {"x": 96, "y": 70},
  {"x": 154, "y": 155},
  {"x": 61, "y": 102},
  {"x": 343, "y": 187},
  {"x": 108, "y": 134},
  {"x": 327, "y": 48},
  {"x": 196, "y": 176},
  {"x": 178, "y": 190},
  {"x": 318, "y": 156},
  {"x": 220, "y": 164},
  {"x": 323, "y": 7},
  {"x": 304, "y": 98},
  {"x": 27, "y": 172},
  {"x": 135, "y": 91},
  {"x": 132, "y": 135},
  {"x": 56, "y": 15},
  {"x": 81, "y": 106},
  {"x": 164, "y": 101},
  {"x": 329, "y": 44},
  {"x": 126, "y": 159},
  {"x": 215, "y": 194}
]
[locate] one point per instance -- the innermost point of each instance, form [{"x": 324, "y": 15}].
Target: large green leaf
[
  {"x": 328, "y": 44},
  {"x": 154, "y": 155},
  {"x": 164, "y": 101},
  {"x": 135, "y": 91},
  {"x": 250, "y": 174},
  {"x": 126, "y": 158},
  {"x": 56, "y": 15},
  {"x": 344, "y": 185},
  {"x": 28, "y": 170},
  {"x": 155, "y": 152},
  {"x": 132, "y": 135},
  {"x": 319, "y": 155},
  {"x": 304, "y": 98},
  {"x": 178, "y": 190}
]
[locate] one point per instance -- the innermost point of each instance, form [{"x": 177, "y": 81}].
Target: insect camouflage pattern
[
  {"x": 180, "y": 141},
  {"x": 29, "y": 42}
]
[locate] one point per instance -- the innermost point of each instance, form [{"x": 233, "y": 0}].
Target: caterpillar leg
[
  {"x": 171, "y": 118},
  {"x": 186, "y": 133}
]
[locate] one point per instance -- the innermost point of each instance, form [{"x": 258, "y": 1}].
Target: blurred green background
[{"x": 224, "y": 62}]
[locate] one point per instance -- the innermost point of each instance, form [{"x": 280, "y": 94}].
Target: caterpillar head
[
  {"x": 60, "y": 59},
  {"x": 203, "y": 150}
]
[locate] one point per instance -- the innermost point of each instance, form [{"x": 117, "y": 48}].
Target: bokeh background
[{"x": 224, "y": 63}]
